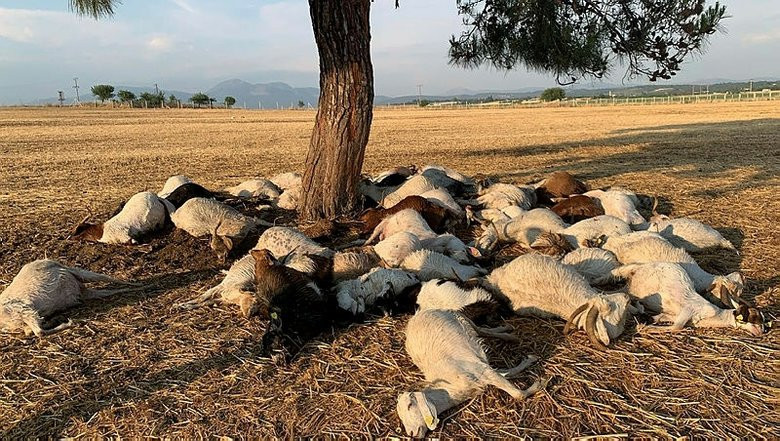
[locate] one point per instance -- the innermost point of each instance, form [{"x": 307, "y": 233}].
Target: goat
[
  {"x": 620, "y": 204},
  {"x": 281, "y": 241},
  {"x": 451, "y": 246},
  {"x": 394, "y": 249},
  {"x": 489, "y": 216},
  {"x": 649, "y": 248},
  {"x": 394, "y": 177},
  {"x": 415, "y": 185},
  {"x": 445, "y": 346},
  {"x": 500, "y": 196},
  {"x": 551, "y": 244},
  {"x": 435, "y": 215},
  {"x": 666, "y": 289},
  {"x": 255, "y": 188},
  {"x": 285, "y": 181},
  {"x": 443, "y": 198},
  {"x": 429, "y": 265},
  {"x": 44, "y": 287},
  {"x": 559, "y": 184},
  {"x": 356, "y": 295},
  {"x": 577, "y": 208},
  {"x": 236, "y": 288},
  {"x": 455, "y": 295},
  {"x": 468, "y": 184},
  {"x": 688, "y": 234},
  {"x": 290, "y": 198},
  {"x": 440, "y": 179},
  {"x": 173, "y": 183},
  {"x": 406, "y": 220},
  {"x": 524, "y": 229},
  {"x": 291, "y": 301},
  {"x": 586, "y": 231},
  {"x": 185, "y": 192},
  {"x": 201, "y": 217},
  {"x": 142, "y": 214},
  {"x": 541, "y": 286},
  {"x": 591, "y": 263}
]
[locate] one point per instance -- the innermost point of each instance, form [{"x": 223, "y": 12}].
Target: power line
[
  {"x": 76, "y": 86},
  {"x": 419, "y": 94}
]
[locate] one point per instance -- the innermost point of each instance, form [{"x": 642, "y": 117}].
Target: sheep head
[
  {"x": 603, "y": 318},
  {"x": 87, "y": 231},
  {"x": 417, "y": 413},
  {"x": 751, "y": 320}
]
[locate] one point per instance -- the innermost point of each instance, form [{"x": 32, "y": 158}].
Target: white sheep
[
  {"x": 446, "y": 294},
  {"x": 281, "y": 241},
  {"x": 429, "y": 265},
  {"x": 255, "y": 188},
  {"x": 358, "y": 294},
  {"x": 416, "y": 185},
  {"x": 541, "y": 286},
  {"x": 44, "y": 287},
  {"x": 287, "y": 180},
  {"x": 667, "y": 290},
  {"x": 587, "y": 230},
  {"x": 290, "y": 199},
  {"x": 524, "y": 229},
  {"x": 591, "y": 263},
  {"x": 441, "y": 179},
  {"x": 408, "y": 220},
  {"x": 501, "y": 195},
  {"x": 445, "y": 346},
  {"x": 650, "y": 248},
  {"x": 689, "y": 234},
  {"x": 444, "y": 199},
  {"x": 173, "y": 183},
  {"x": 620, "y": 204},
  {"x": 451, "y": 173},
  {"x": 236, "y": 288},
  {"x": 451, "y": 246},
  {"x": 394, "y": 249},
  {"x": 143, "y": 214}
]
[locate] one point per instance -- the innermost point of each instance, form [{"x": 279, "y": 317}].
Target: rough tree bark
[{"x": 338, "y": 142}]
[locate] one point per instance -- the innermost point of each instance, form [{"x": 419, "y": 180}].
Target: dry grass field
[{"x": 135, "y": 366}]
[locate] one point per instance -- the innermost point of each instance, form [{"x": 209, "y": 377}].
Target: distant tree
[
  {"x": 125, "y": 96},
  {"x": 425, "y": 103},
  {"x": 153, "y": 99},
  {"x": 199, "y": 99},
  {"x": 103, "y": 91},
  {"x": 301, "y": 104},
  {"x": 173, "y": 101},
  {"x": 553, "y": 94},
  {"x": 569, "y": 38},
  {"x": 211, "y": 102},
  {"x": 229, "y": 101}
]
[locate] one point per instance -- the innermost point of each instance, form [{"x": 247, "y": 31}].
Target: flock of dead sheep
[{"x": 574, "y": 239}]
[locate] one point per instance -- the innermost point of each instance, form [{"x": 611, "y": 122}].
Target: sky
[{"x": 191, "y": 45}]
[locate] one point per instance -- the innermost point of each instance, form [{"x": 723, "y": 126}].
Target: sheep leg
[
  {"x": 493, "y": 378},
  {"x": 205, "y": 299},
  {"x": 515, "y": 371},
  {"x": 490, "y": 332},
  {"x": 91, "y": 294},
  {"x": 88, "y": 276},
  {"x": 58, "y": 328}
]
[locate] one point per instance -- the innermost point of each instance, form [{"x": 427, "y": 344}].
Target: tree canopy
[
  {"x": 553, "y": 94},
  {"x": 574, "y": 38},
  {"x": 103, "y": 91},
  {"x": 229, "y": 101},
  {"x": 200, "y": 98},
  {"x": 125, "y": 96}
]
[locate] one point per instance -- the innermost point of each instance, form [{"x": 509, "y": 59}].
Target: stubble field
[{"x": 136, "y": 366}]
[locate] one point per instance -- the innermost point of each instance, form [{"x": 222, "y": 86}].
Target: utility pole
[
  {"x": 61, "y": 98},
  {"x": 76, "y": 86},
  {"x": 156, "y": 89},
  {"x": 419, "y": 94}
]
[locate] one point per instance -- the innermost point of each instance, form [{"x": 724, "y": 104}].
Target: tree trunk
[{"x": 338, "y": 142}]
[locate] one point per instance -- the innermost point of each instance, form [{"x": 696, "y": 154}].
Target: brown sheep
[
  {"x": 577, "y": 208},
  {"x": 560, "y": 184},
  {"x": 435, "y": 215}
]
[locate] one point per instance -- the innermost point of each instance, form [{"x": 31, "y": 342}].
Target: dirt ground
[{"x": 135, "y": 366}]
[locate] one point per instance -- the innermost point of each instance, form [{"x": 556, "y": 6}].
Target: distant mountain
[{"x": 269, "y": 94}]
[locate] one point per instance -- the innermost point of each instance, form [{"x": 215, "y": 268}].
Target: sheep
[
  {"x": 503, "y": 195},
  {"x": 688, "y": 234},
  {"x": 445, "y": 346},
  {"x": 441, "y": 180},
  {"x": 524, "y": 229},
  {"x": 290, "y": 198},
  {"x": 577, "y": 208},
  {"x": 356, "y": 295},
  {"x": 201, "y": 217},
  {"x": 394, "y": 177},
  {"x": 651, "y": 248},
  {"x": 429, "y": 265},
  {"x": 281, "y": 241},
  {"x": 467, "y": 182},
  {"x": 291, "y": 301},
  {"x": 173, "y": 183},
  {"x": 444, "y": 199},
  {"x": 559, "y": 184},
  {"x": 551, "y": 244},
  {"x": 591, "y": 263},
  {"x": 394, "y": 249},
  {"x": 406, "y": 220},
  {"x": 144, "y": 213},
  {"x": 541, "y": 286},
  {"x": 374, "y": 194},
  {"x": 285, "y": 181},
  {"x": 347, "y": 264},
  {"x": 667, "y": 290},
  {"x": 451, "y": 295},
  {"x": 451, "y": 246},
  {"x": 597, "y": 227},
  {"x": 236, "y": 288},
  {"x": 435, "y": 215},
  {"x": 44, "y": 287},
  {"x": 621, "y": 204},
  {"x": 185, "y": 192},
  {"x": 415, "y": 185},
  {"x": 493, "y": 215},
  {"x": 255, "y": 188}
]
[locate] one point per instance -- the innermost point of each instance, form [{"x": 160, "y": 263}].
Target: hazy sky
[{"x": 193, "y": 44}]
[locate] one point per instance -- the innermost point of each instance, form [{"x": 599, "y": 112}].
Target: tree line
[{"x": 105, "y": 92}]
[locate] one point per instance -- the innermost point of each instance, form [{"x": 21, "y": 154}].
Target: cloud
[
  {"x": 160, "y": 43},
  {"x": 762, "y": 37},
  {"x": 184, "y": 5}
]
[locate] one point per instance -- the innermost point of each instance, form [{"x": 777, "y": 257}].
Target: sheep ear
[
  {"x": 227, "y": 241},
  {"x": 428, "y": 410}
]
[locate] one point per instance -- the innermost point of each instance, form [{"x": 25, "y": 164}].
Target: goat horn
[
  {"x": 571, "y": 324},
  {"x": 590, "y": 328}
]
